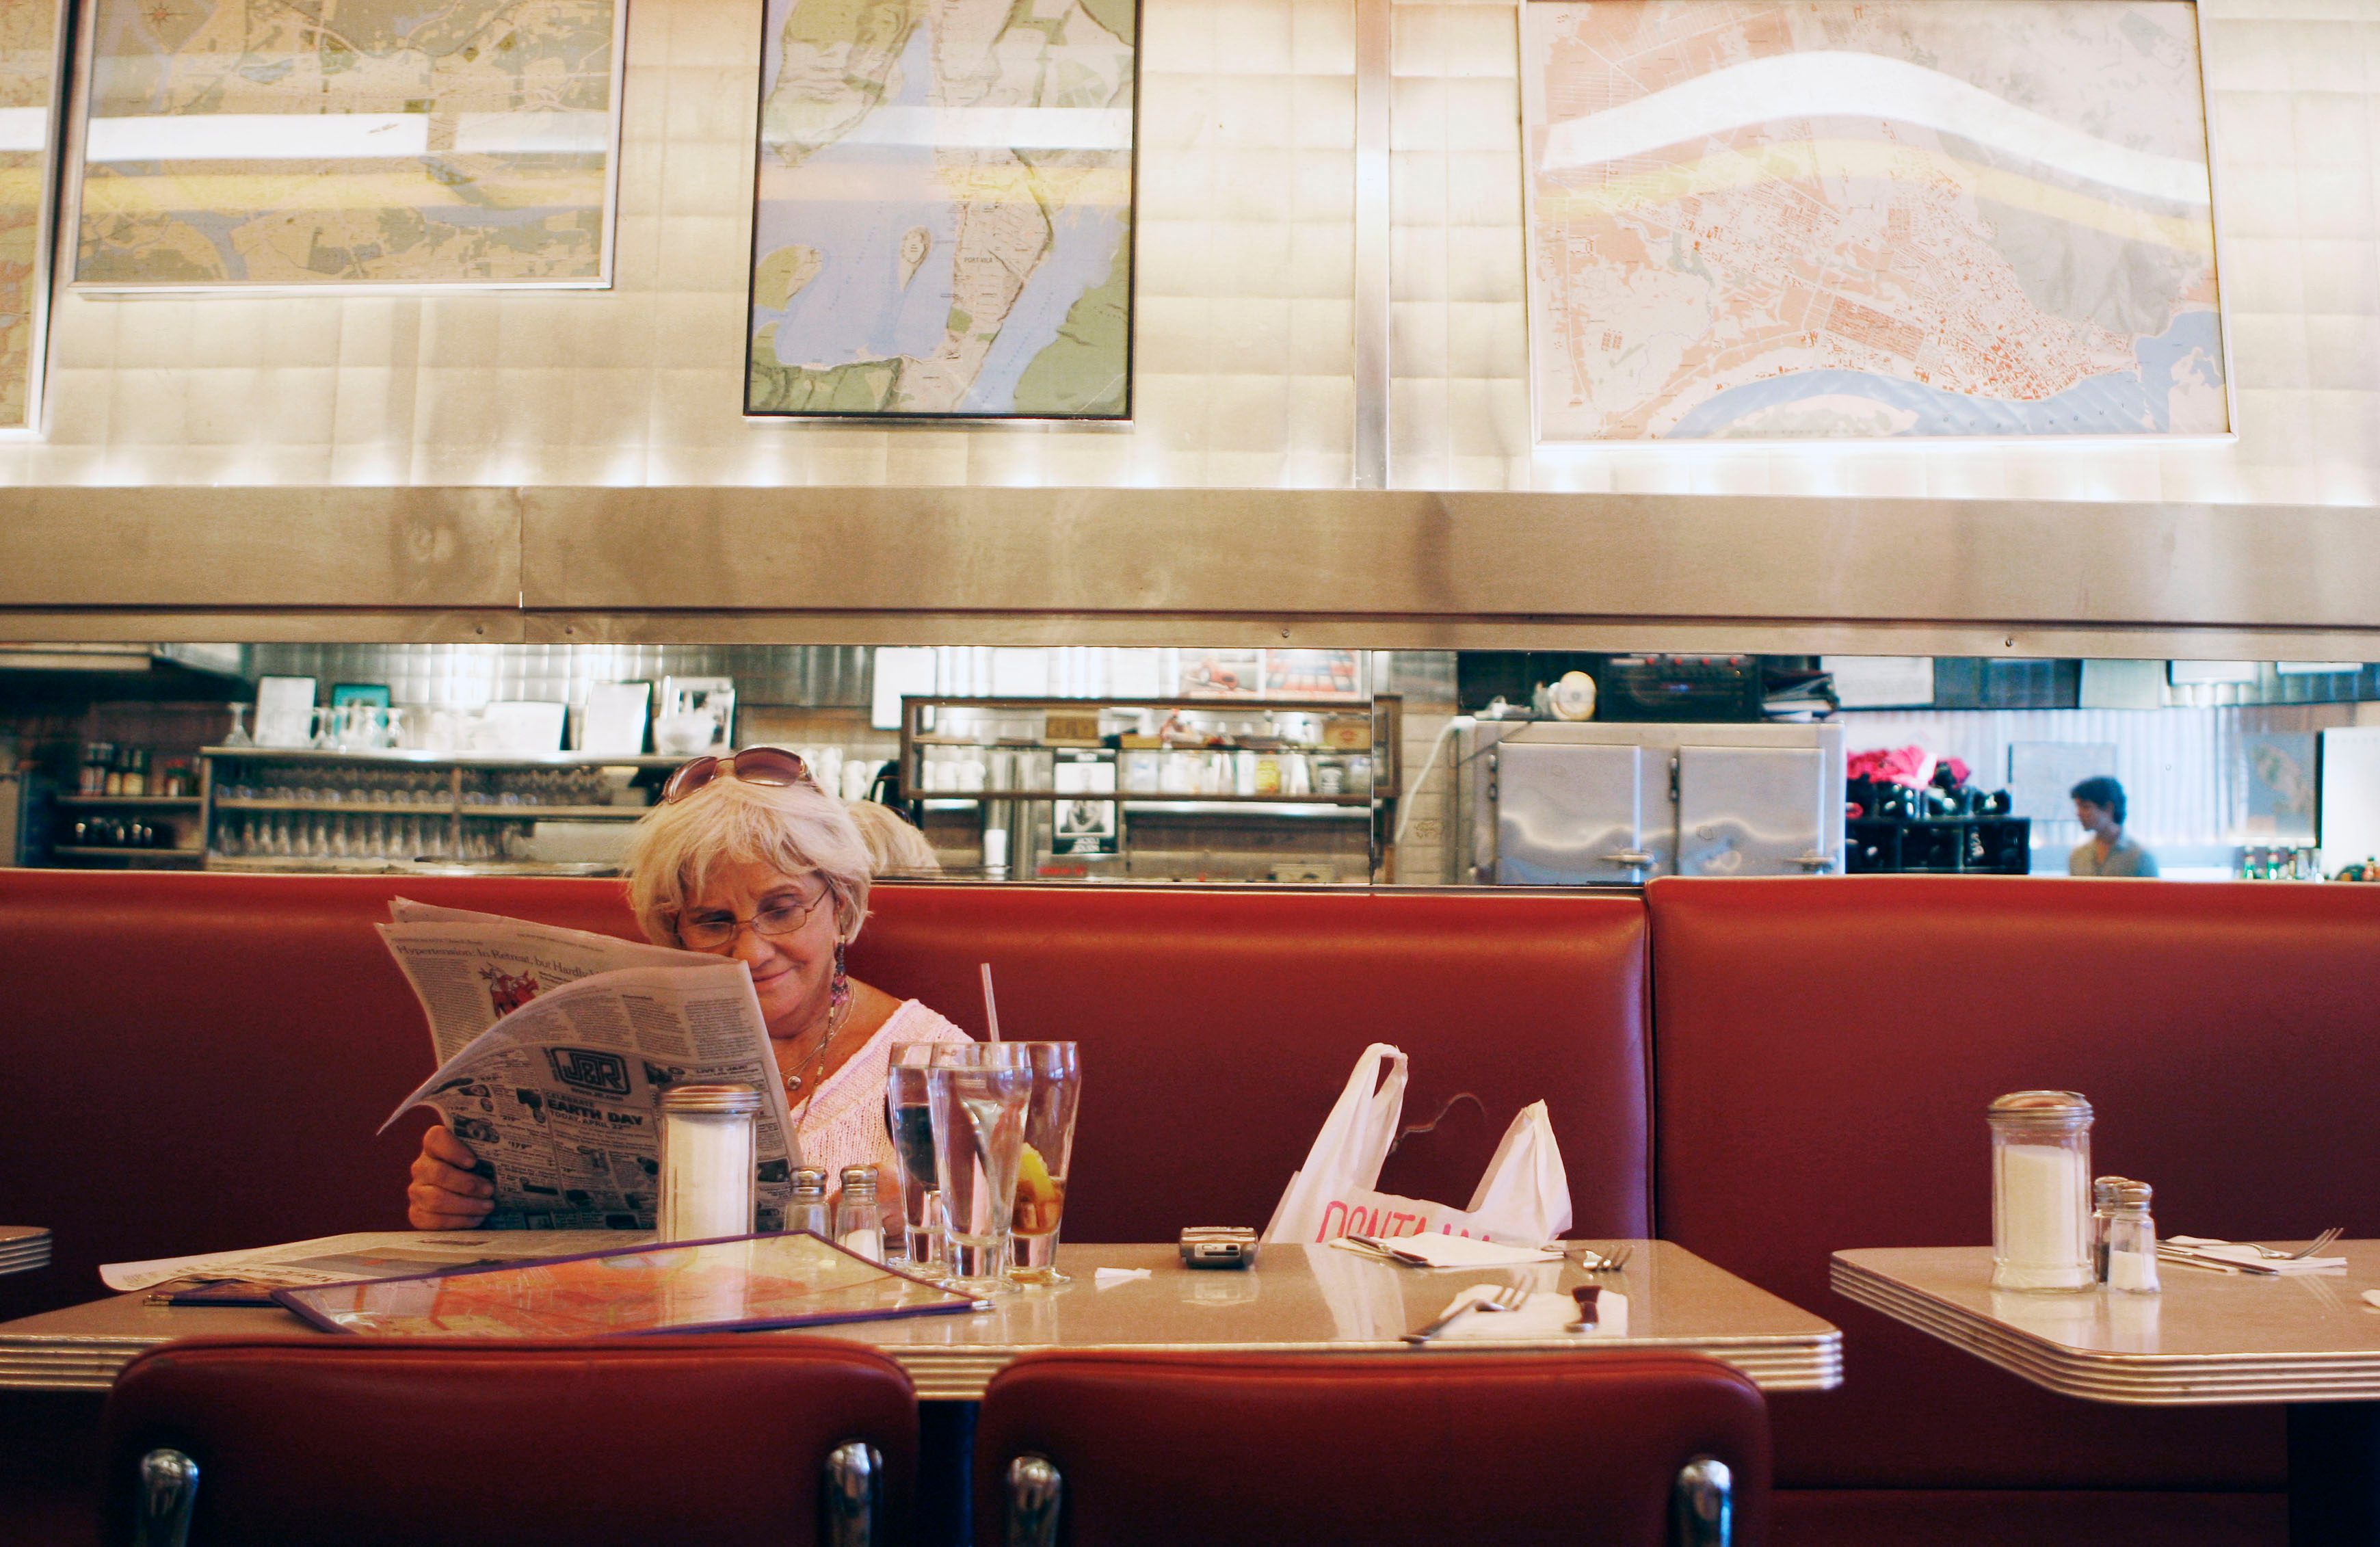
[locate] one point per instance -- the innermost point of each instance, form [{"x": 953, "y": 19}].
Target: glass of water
[
  {"x": 909, "y": 1117},
  {"x": 1041, "y": 1172},
  {"x": 979, "y": 1116}
]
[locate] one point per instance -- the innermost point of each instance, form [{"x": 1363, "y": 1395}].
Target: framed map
[
  {"x": 30, "y": 35},
  {"x": 312, "y": 143},
  {"x": 942, "y": 214},
  {"x": 1798, "y": 219}
]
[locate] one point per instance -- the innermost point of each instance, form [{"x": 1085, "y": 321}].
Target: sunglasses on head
[{"x": 753, "y": 765}]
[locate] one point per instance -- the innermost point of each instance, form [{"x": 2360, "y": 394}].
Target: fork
[
  {"x": 1509, "y": 1296},
  {"x": 2311, "y": 1249},
  {"x": 1610, "y": 1262}
]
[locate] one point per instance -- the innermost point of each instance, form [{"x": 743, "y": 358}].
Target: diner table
[
  {"x": 1296, "y": 1299},
  {"x": 2207, "y": 1339},
  {"x": 23, "y": 1247}
]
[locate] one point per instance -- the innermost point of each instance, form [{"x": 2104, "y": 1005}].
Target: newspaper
[
  {"x": 373, "y": 1254},
  {"x": 554, "y": 1046},
  {"x": 469, "y": 968}
]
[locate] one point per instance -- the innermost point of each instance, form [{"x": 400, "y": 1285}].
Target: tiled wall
[
  {"x": 1244, "y": 354},
  {"x": 1243, "y": 359}
]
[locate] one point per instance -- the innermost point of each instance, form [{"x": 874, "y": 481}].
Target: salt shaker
[
  {"x": 707, "y": 1160},
  {"x": 2103, "y": 1209},
  {"x": 2041, "y": 1209},
  {"x": 2131, "y": 1241},
  {"x": 808, "y": 1210},
  {"x": 859, "y": 1228}
]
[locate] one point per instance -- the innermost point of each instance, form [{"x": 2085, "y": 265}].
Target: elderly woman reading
[{"x": 746, "y": 856}]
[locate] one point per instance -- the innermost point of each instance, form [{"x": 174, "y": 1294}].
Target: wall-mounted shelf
[
  {"x": 144, "y": 802},
  {"x": 1171, "y": 761}
]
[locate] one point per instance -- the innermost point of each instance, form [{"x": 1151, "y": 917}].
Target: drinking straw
[{"x": 990, "y": 1007}]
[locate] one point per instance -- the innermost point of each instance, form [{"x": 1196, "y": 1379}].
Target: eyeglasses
[
  {"x": 716, "y": 931},
  {"x": 754, "y": 765}
]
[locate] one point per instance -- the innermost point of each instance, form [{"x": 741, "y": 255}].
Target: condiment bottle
[
  {"x": 707, "y": 1160},
  {"x": 808, "y": 1210},
  {"x": 859, "y": 1227},
  {"x": 2041, "y": 1209},
  {"x": 2131, "y": 1241},
  {"x": 2103, "y": 1207}
]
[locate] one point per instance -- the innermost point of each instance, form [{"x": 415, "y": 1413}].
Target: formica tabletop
[
  {"x": 1297, "y": 1298},
  {"x": 2206, "y": 1339},
  {"x": 23, "y": 1247}
]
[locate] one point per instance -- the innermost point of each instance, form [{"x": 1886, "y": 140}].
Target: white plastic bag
[{"x": 1524, "y": 1199}]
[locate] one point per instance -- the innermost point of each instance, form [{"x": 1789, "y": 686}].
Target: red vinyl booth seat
[
  {"x": 719, "y": 1440},
  {"x": 1161, "y": 1449},
  {"x": 197, "y": 1062},
  {"x": 1826, "y": 1049}
]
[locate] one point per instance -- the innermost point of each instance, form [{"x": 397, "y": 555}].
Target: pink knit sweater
[{"x": 843, "y": 1123}]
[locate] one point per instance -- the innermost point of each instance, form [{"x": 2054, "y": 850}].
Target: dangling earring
[{"x": 838, "y": 1003}]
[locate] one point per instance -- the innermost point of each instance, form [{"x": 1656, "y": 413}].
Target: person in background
[
  {"x": 894, "y": 847},
  {"x": 2099, "y": 806},
  {"x": 746, "y": 856}
]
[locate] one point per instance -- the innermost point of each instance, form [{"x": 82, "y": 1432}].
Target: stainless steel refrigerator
[{"x": 1549, "y": 803}]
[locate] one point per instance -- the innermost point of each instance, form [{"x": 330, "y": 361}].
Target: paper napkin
[
  {"x": 1544, "y": 1318},
  {"x": 2239, "y": 1252},
  {"x": 1108, "y": 1278}
]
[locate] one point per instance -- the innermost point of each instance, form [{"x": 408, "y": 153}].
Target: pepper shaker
[{"x": 808, "y": 1210}]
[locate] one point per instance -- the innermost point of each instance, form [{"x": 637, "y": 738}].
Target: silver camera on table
[{"x": 1218, "y": 1245}]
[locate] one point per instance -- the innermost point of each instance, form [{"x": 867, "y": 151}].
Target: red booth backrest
[
  {"x": 1826, "y": 1050},
  {"x": 1219, "y": 1026},
  {"x": 197, "y": 1062}
]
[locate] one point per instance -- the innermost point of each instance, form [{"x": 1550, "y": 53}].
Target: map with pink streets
[{"x": 1847, "y": 219}]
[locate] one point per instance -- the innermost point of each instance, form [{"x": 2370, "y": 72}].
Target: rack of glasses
[
  {"x": 1060, "y": 784},
  {"x": 273, "y": 809}
]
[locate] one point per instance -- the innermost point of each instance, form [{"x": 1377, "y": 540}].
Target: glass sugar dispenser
[
  {"x": 707, "y": 1143},
  {"x": 2041, "y": 1192}
]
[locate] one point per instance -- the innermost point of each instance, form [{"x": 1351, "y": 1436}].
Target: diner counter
[{"x": 1298, "y": 1298}]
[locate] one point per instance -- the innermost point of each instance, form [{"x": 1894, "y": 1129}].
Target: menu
[{"x": 741, "y": 1283}]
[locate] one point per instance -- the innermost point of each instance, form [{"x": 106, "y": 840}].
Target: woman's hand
[{"x": 446, "y": 1193}]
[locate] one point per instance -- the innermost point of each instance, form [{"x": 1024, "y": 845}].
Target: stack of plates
[{"x": 23, "y": 1247}]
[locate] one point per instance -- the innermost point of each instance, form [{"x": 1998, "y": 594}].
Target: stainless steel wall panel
[
  {"x": 1546, "y": 560},
  {"x": 382, "y": 549}
]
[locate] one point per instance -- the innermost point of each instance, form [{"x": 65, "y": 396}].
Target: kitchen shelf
[
  {"x": 1168, "y": 799},
  {"x": 1356, "y": 743},
  {"x": 552, "y": 813},
  {"x": 438, "y": 760},
  {"x": 145, "y": 802},
  {"x": 125, "y": 852}
]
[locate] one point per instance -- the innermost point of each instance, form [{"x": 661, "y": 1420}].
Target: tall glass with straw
[{"x": 978, "y": 1107}]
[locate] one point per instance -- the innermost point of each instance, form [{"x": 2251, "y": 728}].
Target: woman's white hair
[
  {"x": 796, "y": 829},
  {"x": 893, "y": 843}
]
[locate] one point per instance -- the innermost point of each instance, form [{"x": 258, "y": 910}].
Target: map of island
[
  {"x": 1855, "y": 218},
  {"x": 316, "y": 143},
  {"x": 942, "y": 217},
  {"x": 29, "y": 42}
]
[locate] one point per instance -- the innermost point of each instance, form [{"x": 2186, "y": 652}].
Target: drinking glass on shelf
[
  {"x": 979, "y": 1116},
  {"x": 909, "y": 1116},
  {"x": 1057, "y": 1091}
]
